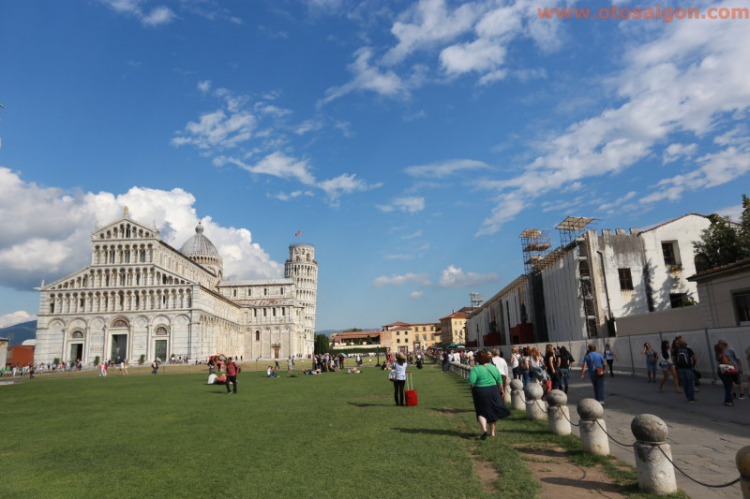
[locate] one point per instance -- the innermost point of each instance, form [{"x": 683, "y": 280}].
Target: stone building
[
  {"x": 141, "y": 299},
  {"x": 582, "y": 288}
]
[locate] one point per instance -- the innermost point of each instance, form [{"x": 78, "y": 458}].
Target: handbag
[
  {"x": 600, "y": 371},
  {"x": 392, "y": 376},
  {"x": 727, "y": 369}
]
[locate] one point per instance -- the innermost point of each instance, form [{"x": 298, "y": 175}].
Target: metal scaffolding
[
  {"x": 572, "y": 228},
  {"x": 536, "y": 245},
  {"x": 476, "y": 299}
]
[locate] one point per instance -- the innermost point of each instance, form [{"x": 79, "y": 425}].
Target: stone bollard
[
  {"x": 558, "y": 412},
  {"x": 655, "y": 471},
  {"x": 517, "y": 400},
  {"x": 743, "y": 465},
  {"x": 506, "y": 394},
  {"x": 535, "y": 407},
  {"x": 593, "y": 438}
]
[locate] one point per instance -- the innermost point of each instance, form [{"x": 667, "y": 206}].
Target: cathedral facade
[{"x": 141, "y": 299}]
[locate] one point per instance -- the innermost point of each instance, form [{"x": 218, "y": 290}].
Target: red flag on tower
[{"x": 298, "y": 233}]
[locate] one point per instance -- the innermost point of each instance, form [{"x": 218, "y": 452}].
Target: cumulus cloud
[
  {"x": 51, "y": 236},
  {"x": 368, "y": 77},
  {"x": 454, "y": 277},
  {"x": 688, "y": 80},
  {"x": 444, "y": 169},
  {"x": 14, "y": 318},
  {"x": 400, "y": 280},
  {"x": 403, "y": 204},
  {"x": 416, "y": 294},
  {"x": 155, "y": 17}
]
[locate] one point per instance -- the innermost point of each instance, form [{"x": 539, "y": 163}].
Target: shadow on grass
[
  {"x": 582, "y": 484},
  {"x": 433, "y": 431},
  {"x": 454, "y": 411},
  {"x": 363, "y": 405}
]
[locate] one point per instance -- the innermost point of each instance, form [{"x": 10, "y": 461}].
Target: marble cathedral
[{"x": 141, "y": 299}]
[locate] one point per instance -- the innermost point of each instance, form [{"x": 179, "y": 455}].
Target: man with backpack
[{"x": 685, "y": 360}]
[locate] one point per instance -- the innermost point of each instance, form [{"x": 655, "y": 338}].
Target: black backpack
[{"x": 682, "y": 358}]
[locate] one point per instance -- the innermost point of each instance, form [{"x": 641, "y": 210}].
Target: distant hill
[{"x": 19, "y": 333}]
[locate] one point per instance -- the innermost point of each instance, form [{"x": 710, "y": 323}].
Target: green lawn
[{"x": 331, "y": 435}]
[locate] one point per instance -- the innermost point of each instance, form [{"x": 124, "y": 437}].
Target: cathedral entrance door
[
  {"x": 276, "y": 352},
  {"x": 119, "y": 347},
  {"x": 76, "y": 352},
  {"x": 160, "y": 350}
]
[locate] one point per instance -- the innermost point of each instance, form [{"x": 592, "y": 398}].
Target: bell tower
[{"x": 302, "y": 267}]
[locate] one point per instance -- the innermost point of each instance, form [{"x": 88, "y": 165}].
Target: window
[
  {"x": 667, "y": 250},
  {"x": 678, "y": 300},
  {"x": 398, "y": 341},
  {"x": 281, "y": 291},
  {"x": 257, "y": 335},
  {"x": 161, "y": 331},
  {"x": 626, "y": 279},
  {"x": 78, "y": 334},
  {"x": 265, "y": 291},
  {"x": 742, "y": 306},
  {"x": 234, "y": 293}
]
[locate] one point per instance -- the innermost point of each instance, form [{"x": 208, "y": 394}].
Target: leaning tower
[{"x": 302, "y": 267}]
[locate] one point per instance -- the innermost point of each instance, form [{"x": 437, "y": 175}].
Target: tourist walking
[
  {"x": 502, "y": 367},
  {"x": 684, "y": 360},
  {"x": 610, "y": 357},
  {"x": 726, "y": 370},
  {"x": 550, "y": 364},
  {"x": 232, "y": 371},
  {"x": 486, "y": 381},
  {"x": 564, "y": 361},
  {"x": 737, "y": 363},
  {"x": 651, "y": 359},
  {"x": 400, "y": 381},
  {"x": 593, "y": 363},
  {"x": 667, "y": 367}
]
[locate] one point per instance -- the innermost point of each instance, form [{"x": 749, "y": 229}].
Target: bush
[
  {"x": 96, "y": 360},
  {"x": 56, "y": 361},
  {"x": 142, "y": 359}
]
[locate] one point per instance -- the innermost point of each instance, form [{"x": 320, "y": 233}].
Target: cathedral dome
[{"x": 199, "y": 246}]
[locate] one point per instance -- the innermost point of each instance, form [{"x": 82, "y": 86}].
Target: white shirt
[
  {"x": 501, "y": 365},
  {"x": 400, "y": 371},
  {"x": 514, "y": 360}
]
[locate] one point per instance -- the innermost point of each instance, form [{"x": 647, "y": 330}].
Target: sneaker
[
  {"x": 484, "y": 436},
  {"x": 741, "y": 397}
]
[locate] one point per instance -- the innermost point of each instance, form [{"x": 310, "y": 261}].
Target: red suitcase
[{"x": 411, "y": 395}]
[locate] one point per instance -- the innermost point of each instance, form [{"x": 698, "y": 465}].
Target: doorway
[
  {"x": 76, "y": 353},
  {"x": 119, "y": 347},
  {"x": 160, "y": 350},
  {"x": 276, "y": 352}
]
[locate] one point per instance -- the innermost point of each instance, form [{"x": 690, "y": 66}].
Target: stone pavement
[{"x": 704, "y": 436}]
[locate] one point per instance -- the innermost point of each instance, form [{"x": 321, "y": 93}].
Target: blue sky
[{"x": 410, "y": 142}]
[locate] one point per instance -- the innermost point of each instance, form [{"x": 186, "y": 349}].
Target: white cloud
[
  {"x": 676, "y": 151},
  {"x": 217, "y": 130},
  {"x": 292, "y": 195},
  {"x": 159, "y": 15},
  {"x": 733, "y": 212},
  {"x": 689, "y": 80},
  {"x": 204, "y": 86},
  {"x": 370, "y": 78},
  {"x": 454, "y": 277},
  {"x": 346, "y": 183},
  {"x": 51, "y": 236},
  {"x": 443, "y": 169},
  {"x": 400, "y": 280},
  {"x": 404, "y": 204},
  {"x": 14, "y": 318},
  {"x": 480, "y": 55},
  {"x": 416, "y": 294},
  {"x": 428, "y": 23},
  {"x": 308, "y": 126},
  {"x": 418, "y": 233}
]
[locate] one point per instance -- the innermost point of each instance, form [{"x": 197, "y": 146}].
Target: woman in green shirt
[{"x": 486, "y": 382}]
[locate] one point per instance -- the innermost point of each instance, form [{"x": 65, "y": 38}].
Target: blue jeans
[
  {"x": 687, "y": 378},
  {"x": 598, "y": 382},
  {"x": 564, "y": 374},
  {"x": 526, "y": 377}
]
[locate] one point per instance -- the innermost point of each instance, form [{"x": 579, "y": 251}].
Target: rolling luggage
[{"x": 411, "y": 395}]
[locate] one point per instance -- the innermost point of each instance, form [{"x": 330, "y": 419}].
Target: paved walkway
[{"x": 704, "y": 436}]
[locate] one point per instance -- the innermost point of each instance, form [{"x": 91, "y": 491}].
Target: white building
[
  {"x": 580, "y": 290},
  {"x": 141, "y": 299}
]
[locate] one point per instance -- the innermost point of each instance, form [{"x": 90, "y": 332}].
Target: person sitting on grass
[
  {"x": 353, "y": 370},
  {"x": 271, "y": 372}
]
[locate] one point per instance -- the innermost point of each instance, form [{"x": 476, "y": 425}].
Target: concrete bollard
[
  {"x": 536, "y": 408},
  {"x": 743, "y": 465},
  {"x": 506, "y": 394},
  {"x": 517, "y": 400},
  {"x": 655, "y": 471},
  {"x": 558, "y": 413},
  {"x": 593, "y": 438}
]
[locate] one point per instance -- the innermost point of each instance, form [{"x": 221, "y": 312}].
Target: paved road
[{"x": 704, "y": 436}]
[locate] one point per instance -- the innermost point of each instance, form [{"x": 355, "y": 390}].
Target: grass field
[{"x": 309, "y": 436}]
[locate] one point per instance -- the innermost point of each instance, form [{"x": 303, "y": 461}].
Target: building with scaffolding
[{"x": 579, "y": 289}]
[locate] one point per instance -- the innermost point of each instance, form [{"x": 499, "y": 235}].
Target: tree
[
  {"x": 321, "y": 344},
  {"x": 724, "y": 241}
]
